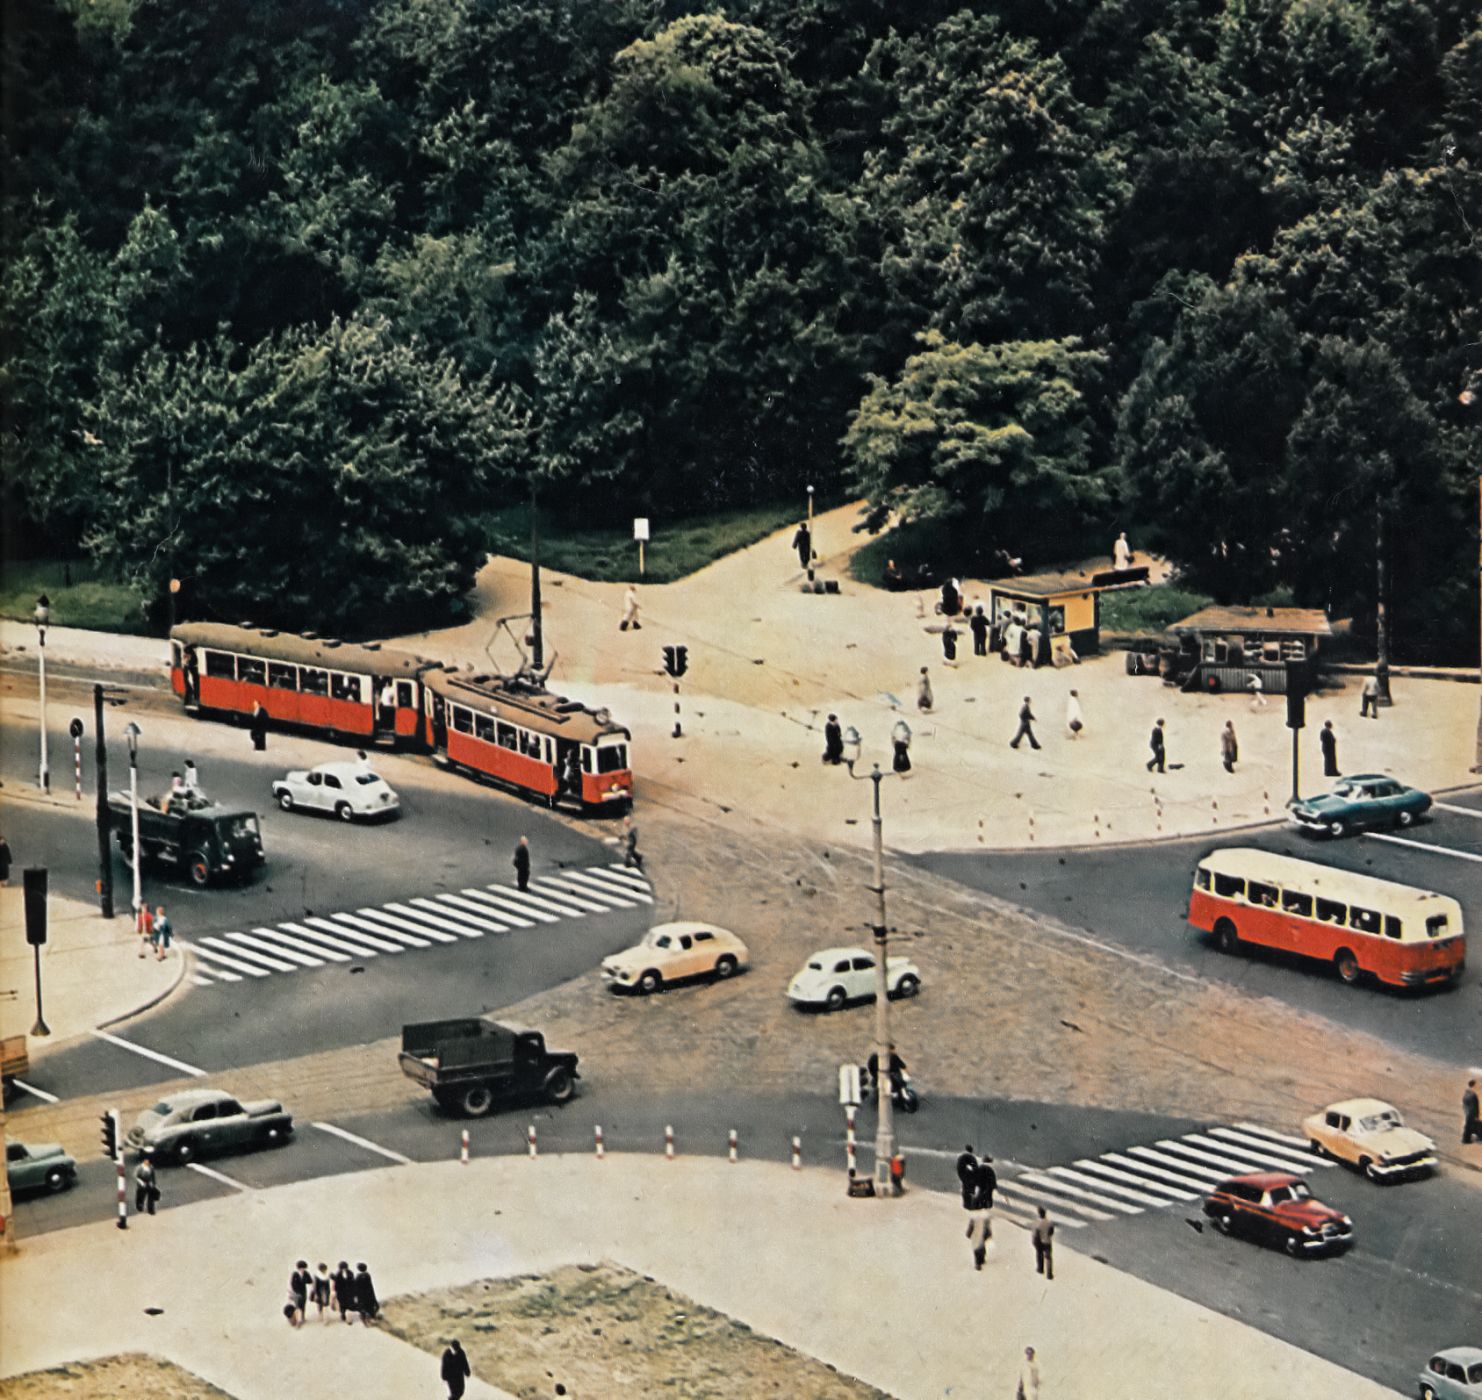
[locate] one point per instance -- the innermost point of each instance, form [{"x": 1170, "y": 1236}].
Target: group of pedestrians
[
  {"x": 979, "y": 1183},
  {"x": 155, "y": 931},
  {"x": 350, "y": 1292}
]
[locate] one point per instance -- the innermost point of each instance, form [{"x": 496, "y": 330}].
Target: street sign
[
  {"x": 849, "y": 1094},
  {"x": 34, "y": 878},
  {"x": 75, "y": 728},
  {"x": 640, "y": 527}
]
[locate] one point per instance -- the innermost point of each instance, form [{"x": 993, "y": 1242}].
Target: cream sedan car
[
  {"x": 674, "y": 953},
  {"x": 1370, "y": 1135}
]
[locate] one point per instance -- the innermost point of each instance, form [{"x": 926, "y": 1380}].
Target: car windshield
[
  {"x": 365, "y": 779},
  {"x": 1381, "y": 1122},
  {"x": 815, "y": 966},
  {"x": 1474, "y": 1373},
  {"x": 163, "y": 1108},
  {"x": 242, "y": 826},
  {"x": 1295, "y": 1192}
]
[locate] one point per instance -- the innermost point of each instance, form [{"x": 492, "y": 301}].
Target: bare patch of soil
[
  {"x": 137, "y": 1376},
  {"x": 600, "y": 1330}
]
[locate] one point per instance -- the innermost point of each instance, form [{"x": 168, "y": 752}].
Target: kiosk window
[
  {"x": 1330, "y": 911},
  {"x": 1057, "y": 621},
  {"x": 250, "y": 671},
  {"x": 282, "y": 676},
  {"x": 343, "y": 687},
  {"x": 221, "y": 663},
  {"x": 1230, "y": 886},
  {"x": 1298, "y": 904},
  {"x": 1364, "y": 920},
  {"x": 313, "y": 682}
]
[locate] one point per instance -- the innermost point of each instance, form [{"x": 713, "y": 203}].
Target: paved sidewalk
[{"x": 219, "y": 1273}]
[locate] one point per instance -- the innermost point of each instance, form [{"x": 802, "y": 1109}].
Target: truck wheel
[
  {"x": 650, "y": 982},
  {"x": 185, "y": 1151},
  {"x": 477, "y": 1101},
  {"x": 199, "y": 870},
  {"x": 559, "y": 1085}
]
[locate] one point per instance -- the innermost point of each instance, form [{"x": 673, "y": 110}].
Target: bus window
[
  {"x": 1364, "y": 920},
  {"x": 1298, "y": 904},
  {"x": 483, "y": 728},
  {"x": 1330, "y": 911},
  {"x": 343, "y": 687},
  {"x": 1393, "y": 927},
  {"x": 282, "y": 676},
  {"x": 462, "y": 719},
  {"x": 222, "y": 664},
  {"x": 1264, "y": 895},
  {"x": 313, "y": 682},
  {"x": 1201, "y": 878},
  {"x": 506, "y": 733},
  {"x": 612, "y": 758},
  {"x": 1436, "y": 926},
  {"x": 1231, "y": 886},
  {"x": 250, "y": 671}
]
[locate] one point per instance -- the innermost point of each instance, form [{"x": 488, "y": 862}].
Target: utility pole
[
  {"x": 885, "y": 1105},
  {"x": 1477, "y": 767},
  {"x": 537, "y": 638},
  {"x": 1381, "y": 610},
  {"x": 105, "y": 855}
]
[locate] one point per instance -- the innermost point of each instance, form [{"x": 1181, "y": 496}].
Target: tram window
[
  {"x": 313, "y": 682},
  {"x": 1364, "y": 920},
  {"x": 221, "y": 663},
  {"x": 462, "y": 719},
  {"x": 1330, "y": 911},
  {"x": 529, "y": 744},
  {"x": 612, "y": 758},
  {"x": 343, "y": 687},
  {"x": 405, "y": 700},
  {"x": 282, "y": 676},
  {"x": 483, "y": 728},
  {"x": 1393, "y": 928},
  {"x": 586, "y": 759},
  {"x": 251, "y": 672},
  {"x": 506, "y": 736},
  {"x": 1264, "y": 895},
  {"x": 1229, "y": 885},
  {"x": 1298, "y": 904}
]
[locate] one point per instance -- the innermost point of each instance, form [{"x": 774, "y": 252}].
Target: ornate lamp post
[{"x": 42, "y": 616}]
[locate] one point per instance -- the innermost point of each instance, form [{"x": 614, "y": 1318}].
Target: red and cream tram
[{"x": 525, "y": 738}]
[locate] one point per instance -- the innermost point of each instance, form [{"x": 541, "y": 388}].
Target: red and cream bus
[
  {"x": 520, "y": 736},
  {"x": 1361, "y": 925}
]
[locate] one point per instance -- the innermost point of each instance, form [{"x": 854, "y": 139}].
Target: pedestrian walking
[
  {"x": 144, "y": 922},
  {"x": 802, "y": 541},
  {"x": 1044, "y": 1245},
  {"x": 951, "y": 598},
  {"x": 1229, "y": 746},
  {"x": 979, "y": 626},
  {"x": 300, "y": 1281},
  {"x": 163, "y": 931},
  {"x": 967, "y": 1176},
  {"x": 456, "y": 1369},
  {"x": 522, "y": 864},
  {"x": 259, "y": 728},
  {"x": 979, "y": 1232},
  {"x": 5, "y": 862},
  {"x": 344, "y": 1290},
  {"x": 631, "y": 856},
  {"x": 1256, "y": 689},
  {"x": 1156, "y": 744},
  {"x": 146, "y": 1188},
  {"x": 1327, "y": 737},
  {"x": 924, "y": 698},
  {"x": 900, "y": 742},
  {"x": 362, "y": 763},
  {"x": 833, "y": 741},
  {"x": 1075, "y": 721},
  {"x": 1026, "y": 726},
  {"x": 1122, "y": 552},
  {"x": 366, "y": 1302},
  {"x": 630, "y": 611},
  {"x": 987, "y": 1182},
  {"x": 192, "y": 779},
  {"x": 1026, "y": 648},
  {"x": 1028, "y": 1377},
  {"x": 1369, "y": 701},
  {"x": 949, "y": 644},
  {"x": 322, "y": 1287},
  {"x": 1471, "y": 1126}
]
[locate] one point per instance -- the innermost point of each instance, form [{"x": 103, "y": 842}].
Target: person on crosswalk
[
  {"x": 1044, "y": 1245},
  {"x": 522, "y": 864},
  {"x": 631, "y": 856}
]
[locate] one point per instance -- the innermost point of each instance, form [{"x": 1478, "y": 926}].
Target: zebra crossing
[
  {"x": 402, "y": 926},
  {"x": 1171, "y": 1171}
]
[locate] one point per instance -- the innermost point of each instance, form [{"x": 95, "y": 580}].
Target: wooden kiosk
[
  {"x": 1061, "y": 611},
  {"x": 1222, "y": 648}
]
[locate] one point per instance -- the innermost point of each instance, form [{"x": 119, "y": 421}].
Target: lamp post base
[{"x": 40, "y": 1028}]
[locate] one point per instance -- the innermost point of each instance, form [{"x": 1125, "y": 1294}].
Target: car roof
[
  {"x": 1264, "y": 1181},
  {"x": 1466, "y": 1355},
  {"x": 1360, "y": 1108},
  {"x": 689, "y": 927},
  {"x": 1369, "y": 778},
  {"x": 339, "y": 767},
  {"x": 187, "y": 1098},
  {"x": 823, "y": 954}
]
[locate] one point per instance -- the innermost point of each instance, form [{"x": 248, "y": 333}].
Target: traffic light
[
  {"x": 676, "y": 660},
  {"x": 110, "y": 1134},
  {"x": 34, "y": 878},
  {"x": 1296, "y": 695}
]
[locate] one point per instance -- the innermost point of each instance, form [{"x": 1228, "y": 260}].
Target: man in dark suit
[
  {"x": 1026, "y": 726},
  {"x": 1155, "y": 743},
  {"x": 1329, "y": 741},
  {"x": 1471, "y": 1113},
  {"x": 522, "y": 864}
]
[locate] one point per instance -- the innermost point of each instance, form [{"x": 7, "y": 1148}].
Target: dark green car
[
  {"x": 1365, "y": 799},
  {"x": 38, "y": 1167}
]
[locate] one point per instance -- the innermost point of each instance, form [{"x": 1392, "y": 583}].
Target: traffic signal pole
[
  {"x": 105, "y": 855},
  {"x": 112, "y": 1139}
]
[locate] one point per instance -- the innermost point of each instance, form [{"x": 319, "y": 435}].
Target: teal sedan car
[
  {"x": 1365, "y": 799},
  {"x": 38, "y": 1167}
]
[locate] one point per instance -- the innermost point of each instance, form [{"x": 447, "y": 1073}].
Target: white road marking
[
  {"x": 217, "y": 1176},
  {"x": 214, "y": 957},
  {"x": 1142, "y": 1179},
  {"x": 320, "y": 951},
  {"x": 151, "y": 1054},
  {"x": 280, "y": 945},
  {"x": 1202, "y": 1175},
  {"x": 579, "y": 894},
  {"x": 1424, "y": 846},
  {"x": 618, "y": 871},
  {"x": 501, "y": 900},
  {"x": 212, "y": 975},
  {"x": 1058, "y": 1202},
  {"x": 587, "y": 883},
  {"x": 1261, "y": 1161},
  {"x": 1147, "y": 1170},
  {"x": 1464, "y": 811},
  {"x": 1119, "y": 1195},
  {"x": 227, "y": 943},
  {"x": 1052, "y": 1184},
  {"x": 458, "y": 915},
  {"x": 546, "y": 901},
  {"x": 421, "y": 920},
  {"x": 460, "y": 901},
  {"x": 200, "y": 981},
  {"x": 1271, "y": 1134},
  {"x": 38, "y": 1093},
  {"x": 1287, "y": 1160},
  {"x": 360, "y": 1141},
  {"x": 1226, "y": 1162},
  {"x": 331, "y": 933}
]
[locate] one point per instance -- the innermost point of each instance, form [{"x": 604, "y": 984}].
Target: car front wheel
[
  {"x": 343, "y": 812},
  {"x": 275, "y": 1137},
  {"x": 57, "y": 1180},
  {"x": 1428, "y": 1392},
  {"x": 1293, "y": 1246},
  {"x": 559, "y": 1085},
  {"x": 285, "y": 800},
  {"x": 1371, "y": 1170},
  {"x": 1337, "y": 828},
  {"x": 1222, "y": 1224},
  {"x": 186, "y": 1151},
  {"x": 199, "y": 870},
  {"x": 1405, "y": 818},
  {"x": 909, "y": 986},
  {"x": 650, "y": 982}
]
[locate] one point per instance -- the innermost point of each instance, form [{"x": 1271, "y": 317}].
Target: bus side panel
[
  {"x": 1204, "y": 909},
  {"x": 1393, "y": 958},
  {"x": 313, "y": 709}
]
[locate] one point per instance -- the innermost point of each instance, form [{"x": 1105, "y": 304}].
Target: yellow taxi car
[
  {"x": 672, "y": 953},
  {"x": 1370, "y": 1135}
]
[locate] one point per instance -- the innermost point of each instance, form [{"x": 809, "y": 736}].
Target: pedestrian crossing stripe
[
  {"x": 422, "y": 921},
  {"x": 1172, "y": 1171}
]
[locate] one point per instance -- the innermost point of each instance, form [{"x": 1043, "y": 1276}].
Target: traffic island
[{"x": 137, "y": 1376}]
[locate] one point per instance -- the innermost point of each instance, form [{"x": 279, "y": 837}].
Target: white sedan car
[
  {"x": 834, "y": 976},
  {"x": 672, "y": 952},
  {"x": 349, "y": 790}
]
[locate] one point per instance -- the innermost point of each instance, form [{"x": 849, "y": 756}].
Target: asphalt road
[{"x": 1136, "y": 897}]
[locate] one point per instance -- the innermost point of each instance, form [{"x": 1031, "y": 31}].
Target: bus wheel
[
  {"x": 1348, "y": 967},
  {"x": 1226, "y": 938}
]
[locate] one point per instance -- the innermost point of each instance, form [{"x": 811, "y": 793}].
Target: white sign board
[
  {"x": 849, "y": 1094},
  {"x": 640, "y": 527}
]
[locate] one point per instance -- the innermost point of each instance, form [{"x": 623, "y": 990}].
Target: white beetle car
[
  {"x": 349, "y": 790},
  {"x": 833, "y": 976}
]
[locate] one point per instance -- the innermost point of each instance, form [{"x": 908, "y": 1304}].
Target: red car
[{"x": 1277, "y": 1208}]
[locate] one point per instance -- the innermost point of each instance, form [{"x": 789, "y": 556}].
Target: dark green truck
[{"x": 472, "y": 1065}]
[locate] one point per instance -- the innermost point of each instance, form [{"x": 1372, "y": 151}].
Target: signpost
[{"x": 640, "y": 533}]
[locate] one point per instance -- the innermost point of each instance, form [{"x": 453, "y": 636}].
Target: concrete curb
[{"x": 154, "y": 1000}]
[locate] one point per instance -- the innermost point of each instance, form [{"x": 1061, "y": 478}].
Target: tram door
[{"x": 568, "y": 768}]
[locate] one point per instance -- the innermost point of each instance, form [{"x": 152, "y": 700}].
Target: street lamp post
[
  {"x": 537, "y": 636},
  {"x": 43, "y": 616},
  {"x": 885, "y": 1114},
  {"x": 131, "y": 733},
  {"x": 810, "y": 535},
  {"x": 105, "y": 855}
]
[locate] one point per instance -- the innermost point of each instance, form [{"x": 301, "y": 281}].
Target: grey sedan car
[
  {"x": 38, "y": 1167},
  {"x": 1453, "y": 1374}
]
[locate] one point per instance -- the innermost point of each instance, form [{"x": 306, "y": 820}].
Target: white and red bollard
[
  {"x": 601, "y": 1147},
  {"x": 530, "y": 1141},
  {"x": 797, "y": 1154},
  {"x": 849, "y": 1136},
  {"x": 77, "y": 765},
  {"x": 731, "y": 1155},
  {"x": 669, "y": 1143},
  {"x": 463, "y": 1150},
  {"x": 123, "y": 1199}
]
